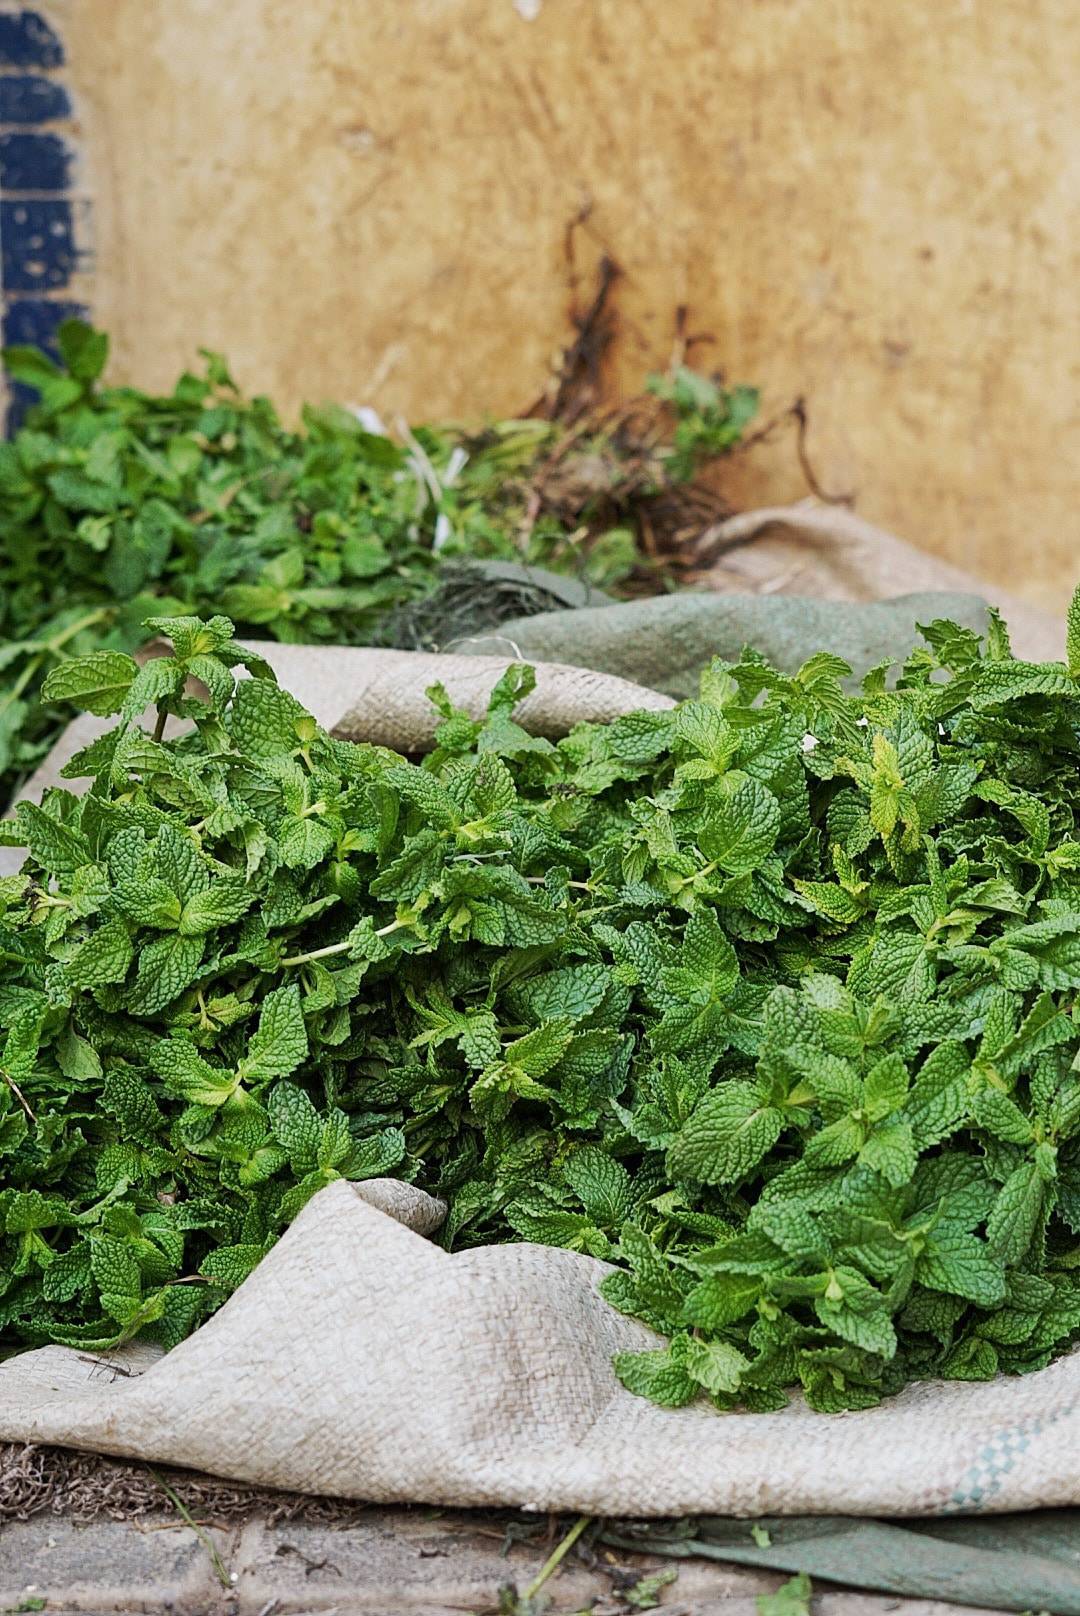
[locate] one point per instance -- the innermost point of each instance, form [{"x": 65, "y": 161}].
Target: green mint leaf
[
  {"x": 187, "y": 1075},
  {"x": 1017, "y": 1211},
  {"x": 1072, "y": 638},
  {"x": 742, "y": 826},
  {"x": 217, "y": 906},
  {"x": 280, "y": 1041},
  {"x": 165, "y": 968},
  {"x": 104, "y": 957},
  {"x": 662, "y": 1376},
  {"x": 601, "y": 1183},
  {"x": 726, "y": 1137},
  {"x": 295, "y": 1124},
  {"x": 97, "y": 682}
]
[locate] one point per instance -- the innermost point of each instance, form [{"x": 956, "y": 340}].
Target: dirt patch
[{"x": 86, "y": 1487}]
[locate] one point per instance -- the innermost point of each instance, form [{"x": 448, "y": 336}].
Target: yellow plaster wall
[{"x": 874, "y": 203}]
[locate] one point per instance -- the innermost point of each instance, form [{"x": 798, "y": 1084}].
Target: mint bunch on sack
[
  {"x": 117, "y": 503},
  {"x": 769, "y": 1001}
]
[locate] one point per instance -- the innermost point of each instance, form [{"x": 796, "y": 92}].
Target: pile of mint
[
  {"x": 116, "y": 505},
  {"x": 770, "y": 1000}
]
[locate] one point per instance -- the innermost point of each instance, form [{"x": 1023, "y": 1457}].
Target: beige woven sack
[
  {"x": 828, "y": 552},
  {"x": 361, "y": 1360}
]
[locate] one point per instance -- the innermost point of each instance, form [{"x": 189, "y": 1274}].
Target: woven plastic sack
[
  {"x": 828, "y": 552},
  {"x": 361, "y": 1360}
]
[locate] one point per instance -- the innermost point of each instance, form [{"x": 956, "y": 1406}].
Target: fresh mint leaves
[
  {"x": 768, "y": 1001},
  {"x": 117, "y": 504}
]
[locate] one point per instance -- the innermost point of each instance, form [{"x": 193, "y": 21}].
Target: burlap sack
[
  {"x": 828, "y": 552},
  {"x": 362, "y": 1361}
]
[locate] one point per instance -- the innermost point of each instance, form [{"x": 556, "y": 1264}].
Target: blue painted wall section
[
  {"x": 38, "y": 252},
  {"x": 27, "y": 98},
  {"x": 34, "y": 163},
  {"x": 26, "y": 40}
]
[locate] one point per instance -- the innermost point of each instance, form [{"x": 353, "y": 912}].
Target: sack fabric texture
[{"x": 361, "y": 1360}]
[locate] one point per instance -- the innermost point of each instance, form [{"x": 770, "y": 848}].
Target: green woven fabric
[
  {"x": 664, "y": 642},
  {"x": 1003, "y": 1562}
]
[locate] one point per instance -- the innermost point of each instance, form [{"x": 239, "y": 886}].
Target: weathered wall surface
[{"x": 877, "y": 206}]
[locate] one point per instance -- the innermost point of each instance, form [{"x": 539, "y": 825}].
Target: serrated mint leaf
[
  {"x": 601, "y": 1183},
  {"x": 220, "y": 905},
  {"x": 187, "y": 1075},
  {"x": 720, "y": 1299},
  {"x": 68, "y": 1274},
  {"x": 857, "y": 1312},
  {"x": 704, "y": 731},
  {"x": 1006, "y": 681},
  {"x": 726, "y": 1137},
  {"x": 538, "y": 1051},
  {"x": 961, "y": 1264},
  {"x": 178, "y": 862},
  {"x": 660, "y": 1376},
  {"x": 155, "y": 681},
  {"x": 104, "y": 957},
  {"x": 303, "y": 843},
  {"x": 886, "y": 1087},
  {"x": 266, "y": 721},
  {"x": 60, "y": 848},
  {"x": 376, "y": 1156},
  {"x": 129, "y": 1098},
  {"x": 164, "y": 969},
  {"x": 230, "y": 1265},
  {"x": 890, "y": 1151},
  {"x": 115, "y": 1270},
  {"x": 573, "y": 991},
  {"x": 1017, "y": 1211},
  {"x": 27, "y": 1211},
  {"x": 741, "y": 827},
  {"x": 295, "y": 1124},
  {"x": 1001, "y": 1116},
  {"x": 22, "y": 1042},
  {"x": 148, "y": 901},
  {"x": 97, "y": 682},
  {"x": 280, "y": 1041},
  {"x": 717, "y": 1366},
  {"x": 939, "y": 1098}
]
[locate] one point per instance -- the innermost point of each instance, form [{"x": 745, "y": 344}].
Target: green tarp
[{"x": 1003, "y": 1562}]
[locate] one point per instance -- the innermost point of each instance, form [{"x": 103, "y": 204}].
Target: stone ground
[{"x": 386, "y": 1562}]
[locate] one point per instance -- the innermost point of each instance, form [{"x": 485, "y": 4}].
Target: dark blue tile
[
  {"x": 38, "y": 244},
  {"x": 34, "y": 163},
  {"x": 25, "y": 98},
  {"x": 33, "y": 321},
  {"x": 26, "y": 40}
]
